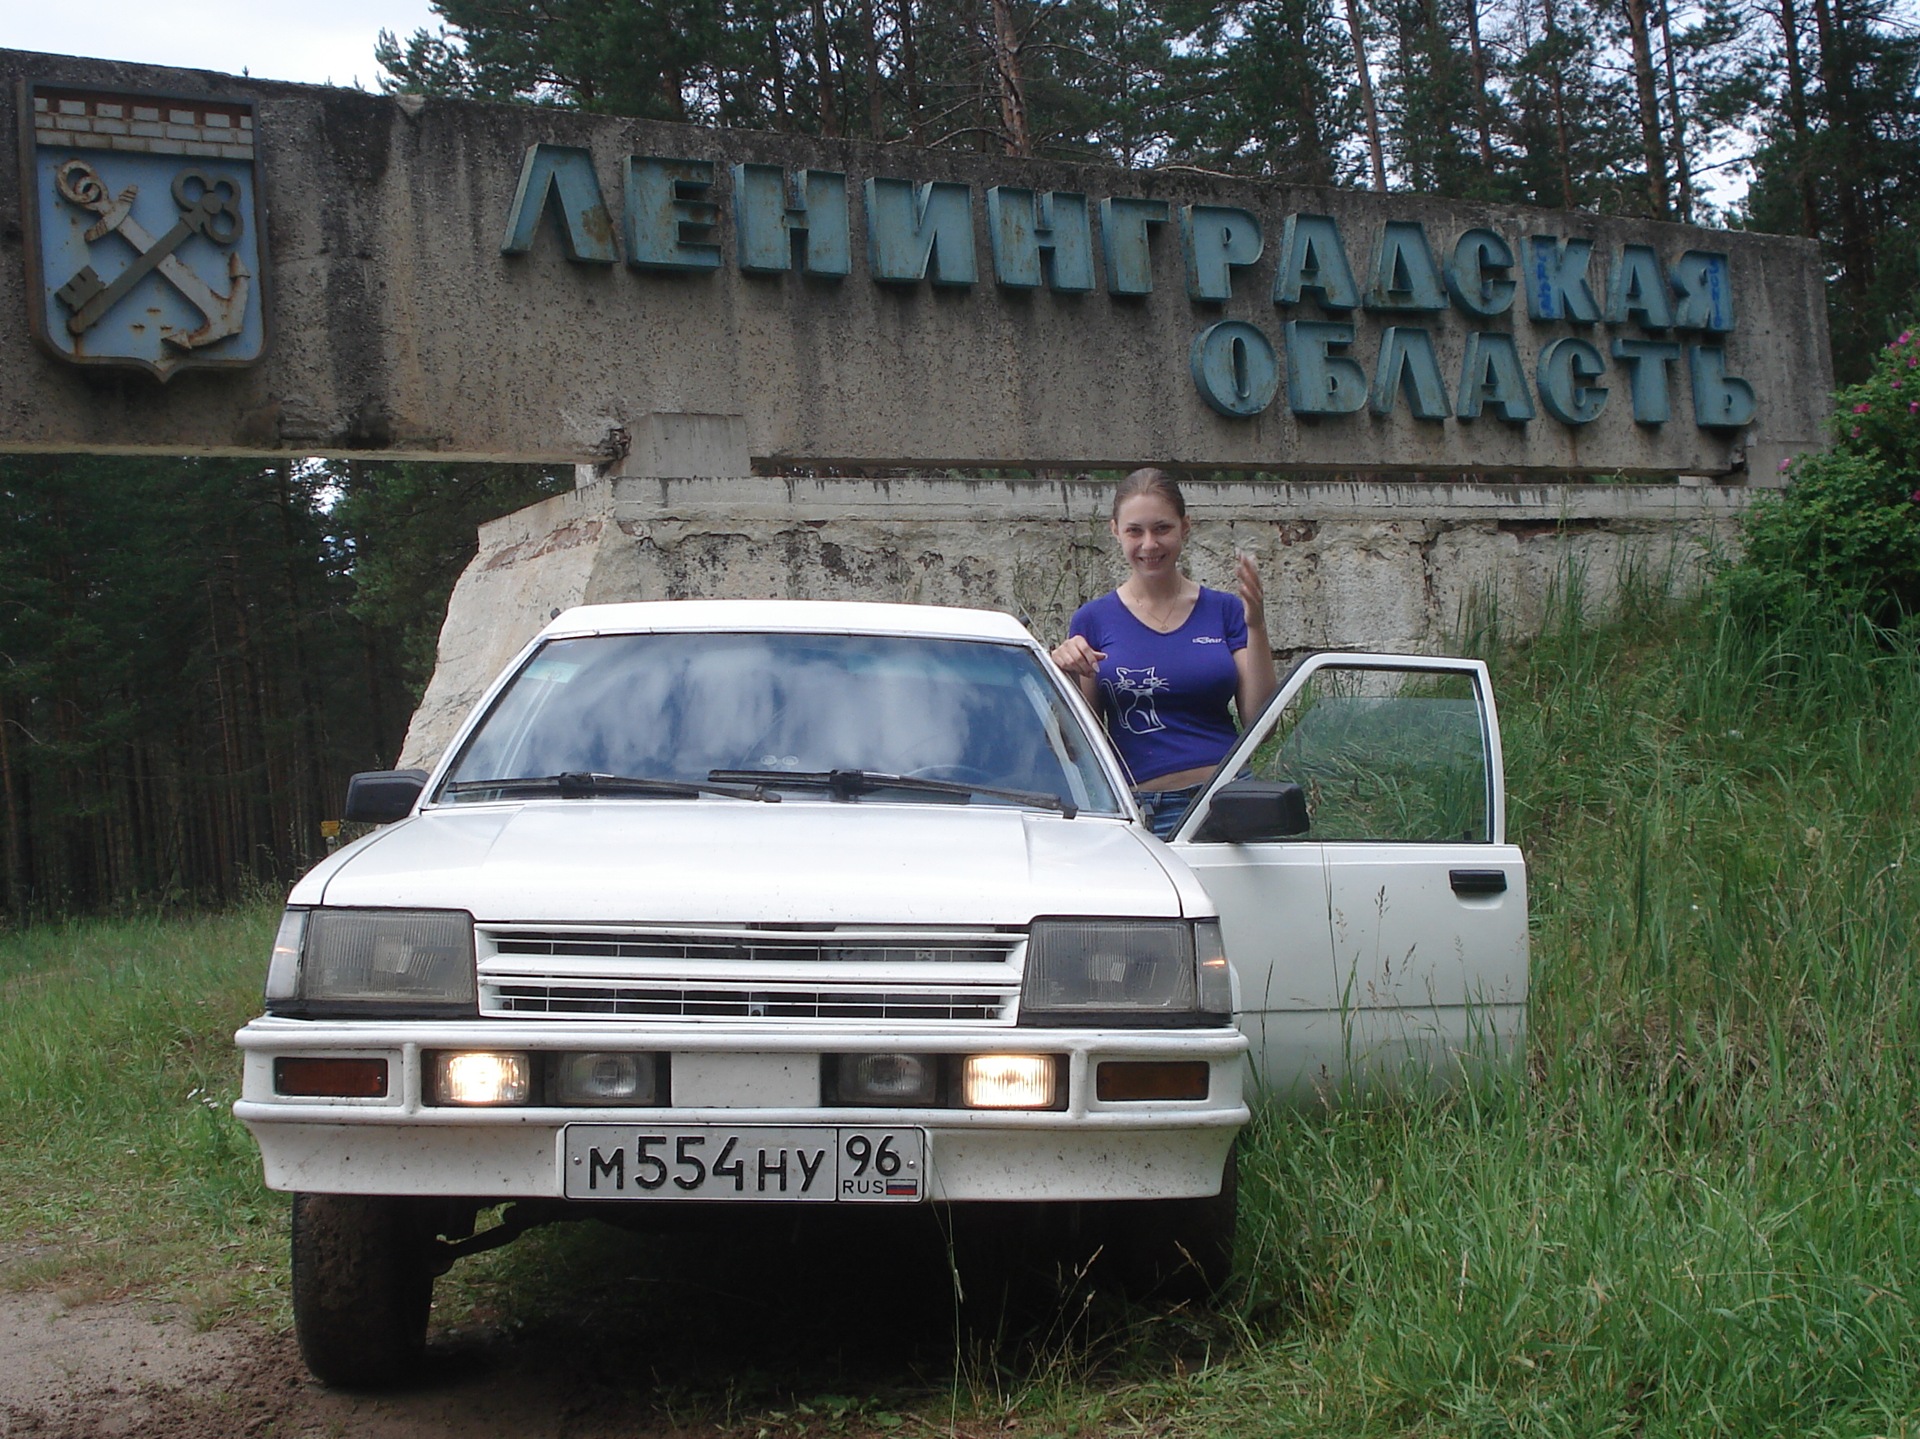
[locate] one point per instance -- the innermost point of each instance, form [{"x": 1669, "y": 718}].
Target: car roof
[{"x": 792, "y": 616}]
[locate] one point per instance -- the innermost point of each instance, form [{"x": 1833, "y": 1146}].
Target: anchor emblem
[{"x": 209, "y": 207}]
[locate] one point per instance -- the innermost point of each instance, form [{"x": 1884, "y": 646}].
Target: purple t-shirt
[{"x": 1165, "y": 697}]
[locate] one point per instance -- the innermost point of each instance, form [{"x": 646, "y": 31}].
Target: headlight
[
  {"x": 1122, "y": 972},
  {"x": 402, "y": 962}
]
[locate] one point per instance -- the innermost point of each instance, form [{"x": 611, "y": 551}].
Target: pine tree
[
  {"x": 1843, "y": 160},
  {"x": 1266, "y": 93}
]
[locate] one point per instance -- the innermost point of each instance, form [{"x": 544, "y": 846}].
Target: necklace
[{"x": 1164, "y": 618}]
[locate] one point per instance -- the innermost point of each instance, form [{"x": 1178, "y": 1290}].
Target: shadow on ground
[{"x": 757, "y": 1324}]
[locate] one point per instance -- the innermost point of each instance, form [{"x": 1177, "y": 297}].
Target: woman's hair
[{"x": 1149, "y": 481}]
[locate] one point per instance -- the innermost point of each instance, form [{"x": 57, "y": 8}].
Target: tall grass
[
  {"x": 121, "y": 1164},
  {"x": 1697, "y": 1210}
]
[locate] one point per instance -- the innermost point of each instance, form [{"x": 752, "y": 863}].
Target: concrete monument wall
[
  {"x": 296, "y": 270},
  {"x": 1402, "y": 567}
]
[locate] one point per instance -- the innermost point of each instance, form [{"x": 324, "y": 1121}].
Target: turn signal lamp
[
  {"x": 1215, "y": 976},
  {"x": 327, "y": 1078},
  {"x": 1124, "y": 1079},
  {"x": 1008, "y": 1081},
  {"x": 283, "y": 966},
  {"x": 482, "y": 1078}
]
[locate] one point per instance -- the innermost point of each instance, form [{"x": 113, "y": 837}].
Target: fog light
[
  {"x": 331, "y": 1078},
  {"x": 604, "y": 1079},
  {"x": 1008, "y": 1081},
  {"x": 481, "y": 1078},
  {"x": 886, "y": 1079},
  {"x": 1152, "y": 1079}
]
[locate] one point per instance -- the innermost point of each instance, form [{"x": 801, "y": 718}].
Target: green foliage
[
  {"x": 165, "y": 728},
  {"x": 1265, "y": 92},
  {"x": 1842, "y": 164},
  {"x": 1088, "y": 78},
  {"x": 197, "y": 653},
  {"x": 627, "y": 57},
  {"x": 1845, "y": 534},
  {"x": 410, "y": 528},
  {"x": 123, "y": 1161}
]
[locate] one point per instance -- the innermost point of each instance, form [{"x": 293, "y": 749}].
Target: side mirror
[
  {"x": 1248, "y": 811},
  {"x": 380, "y": 796}
]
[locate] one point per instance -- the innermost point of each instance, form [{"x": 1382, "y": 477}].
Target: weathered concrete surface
[
  {"x": 1401, "y": 567},
  {"x": 399, "y": 327}
]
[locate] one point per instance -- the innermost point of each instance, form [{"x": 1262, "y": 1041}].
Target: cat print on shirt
[{"x": 1132, "y": 693}]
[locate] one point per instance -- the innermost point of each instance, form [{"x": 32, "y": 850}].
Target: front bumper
[{"x": 1088, "y": 1150}]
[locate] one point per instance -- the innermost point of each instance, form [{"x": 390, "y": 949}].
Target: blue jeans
[{"x": 1165, "y": 808}]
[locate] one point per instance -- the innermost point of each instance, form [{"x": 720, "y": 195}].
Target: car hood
[{"x": 719, "y": 861}]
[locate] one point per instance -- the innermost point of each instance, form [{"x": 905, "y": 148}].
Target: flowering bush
[{"x": 1846, "y": 531}]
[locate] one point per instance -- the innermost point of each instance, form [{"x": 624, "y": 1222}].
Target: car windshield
[{"x": 969, "y": 717}]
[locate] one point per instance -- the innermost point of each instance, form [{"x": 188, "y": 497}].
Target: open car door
[{"x": 1382, "y": 933}]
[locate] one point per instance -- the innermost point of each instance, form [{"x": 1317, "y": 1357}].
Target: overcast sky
[{"x": 316, "y": 41}]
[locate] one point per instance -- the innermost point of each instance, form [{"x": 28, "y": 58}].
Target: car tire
[
  {"x": 1177, "y": 1249},
  {"x": 362, "y": 1285}
]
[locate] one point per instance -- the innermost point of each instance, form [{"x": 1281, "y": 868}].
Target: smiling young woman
[{"x": 1162, "y": 657}]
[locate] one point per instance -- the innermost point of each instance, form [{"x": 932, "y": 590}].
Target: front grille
[
  {"x": 746, "y": 974},
  {"x": 743, "y": 949},
  {"x": 664, "y": 1003}
]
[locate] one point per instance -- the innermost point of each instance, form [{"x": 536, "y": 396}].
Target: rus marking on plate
[{"x": 146, "y": 242}]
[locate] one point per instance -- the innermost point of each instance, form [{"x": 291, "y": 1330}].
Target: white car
[{"x": 719, "y": 903}]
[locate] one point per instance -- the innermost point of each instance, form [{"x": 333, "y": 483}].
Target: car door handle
[{"x": 1478, "y": 881}]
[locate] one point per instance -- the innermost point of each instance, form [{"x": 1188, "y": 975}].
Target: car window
[
  {"x": 681, "y": 706},
  {"x": 1385, "y": 755}
]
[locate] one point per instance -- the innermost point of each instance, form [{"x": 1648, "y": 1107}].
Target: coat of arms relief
[{"x": 145, "y": 229}]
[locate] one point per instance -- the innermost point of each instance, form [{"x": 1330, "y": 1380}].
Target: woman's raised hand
[
  {"x": 1079, "y": 660},
  {"x": 1251, "y": 595}
]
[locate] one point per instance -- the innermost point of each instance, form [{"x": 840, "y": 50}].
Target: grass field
[{"x": 1696, "y": 1211}]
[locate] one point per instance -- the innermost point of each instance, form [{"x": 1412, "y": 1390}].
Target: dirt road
[
  {"x": 141, "y": 1370},
  {"x": 756, "y": 1329}
]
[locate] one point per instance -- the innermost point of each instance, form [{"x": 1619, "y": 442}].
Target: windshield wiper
[
  {"x": 583, "y": 786},
  {"x": 846, "y": 783}
]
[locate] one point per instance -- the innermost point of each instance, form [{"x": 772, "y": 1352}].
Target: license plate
[{"x": 797, "y": 1162}]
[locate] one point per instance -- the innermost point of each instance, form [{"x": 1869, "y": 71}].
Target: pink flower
[
  {"x": 1914, "y": 498},
  {"x": 1913, "y": 362},
  {"x": 1896, "y": 384},
  {"x": 1913, "y": 407},
  {"x": 1856, "y": 432},
  {"x": 1863, "y": 408},
  {"x": 1785, "y": 465},
  {"x": 1905, "y": 335}
]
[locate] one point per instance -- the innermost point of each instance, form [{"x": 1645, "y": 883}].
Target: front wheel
[
  {"x": 362, "y": 1285},
  {"x": 1178, "y": 1249}
]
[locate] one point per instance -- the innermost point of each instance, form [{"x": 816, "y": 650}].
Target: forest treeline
[{"x": 195, "y": 654}]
